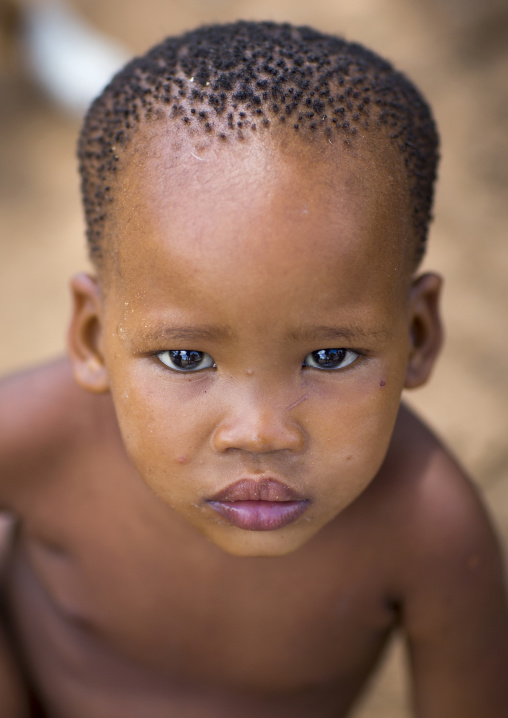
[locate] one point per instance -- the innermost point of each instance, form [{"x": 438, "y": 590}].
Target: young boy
[{"x": 221, "y": 508}]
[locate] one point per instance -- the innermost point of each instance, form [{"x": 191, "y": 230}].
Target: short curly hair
[{"x": 246, "y": 77}]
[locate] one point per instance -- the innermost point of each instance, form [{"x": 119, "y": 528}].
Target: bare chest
[
  {"x": 111, "y": 591},
  {"x": 259, "y": 637}
]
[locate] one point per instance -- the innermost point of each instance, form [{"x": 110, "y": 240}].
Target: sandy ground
[{"x": 457, "y": 51}]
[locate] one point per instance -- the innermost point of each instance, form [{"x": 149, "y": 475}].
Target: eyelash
[{"x": 187, "y": 356}]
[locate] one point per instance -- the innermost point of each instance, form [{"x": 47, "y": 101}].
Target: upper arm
[
  {"x": 455, "y": 607},
  {"x": 12, "y": 431},
  {"x": 13, "y": 696}
]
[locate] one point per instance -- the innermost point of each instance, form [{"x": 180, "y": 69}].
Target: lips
[{"x": 259, "y": 505}]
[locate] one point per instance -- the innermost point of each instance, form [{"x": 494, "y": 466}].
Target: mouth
[{"x": 259, "y": 505}]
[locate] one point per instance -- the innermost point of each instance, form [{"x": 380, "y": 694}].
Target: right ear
[{"x": 85, "y": 336}]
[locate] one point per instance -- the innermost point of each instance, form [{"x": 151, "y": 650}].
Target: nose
[{"x": 258, "y": 426}]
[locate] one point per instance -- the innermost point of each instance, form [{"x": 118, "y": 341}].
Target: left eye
[
  {"x": 186, "y": 360},
  {"x": 330, "y": 358}
]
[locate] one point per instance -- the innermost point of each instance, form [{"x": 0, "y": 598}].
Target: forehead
[{"x": 194, "y": 207}]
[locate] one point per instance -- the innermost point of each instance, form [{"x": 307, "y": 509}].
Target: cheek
[
  {"x": 163, "y": 422},
  {"x": 351, "y": 427}
]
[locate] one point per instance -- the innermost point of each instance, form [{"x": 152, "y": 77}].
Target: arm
[
  {"x": 455, "y": 608},
  {"x": 28, "y": 403},
  {"x": 13, "y": 698}
]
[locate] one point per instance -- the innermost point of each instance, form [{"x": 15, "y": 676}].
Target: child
[{"x": 222, "y": 509}]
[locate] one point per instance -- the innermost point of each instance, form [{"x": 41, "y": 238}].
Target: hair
[{"x": 229, "y": 81}]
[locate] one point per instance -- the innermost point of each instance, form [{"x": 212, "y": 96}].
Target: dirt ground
[{"x": 457, "y": 52}]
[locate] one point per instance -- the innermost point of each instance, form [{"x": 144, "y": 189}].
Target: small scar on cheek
[
  {"x": 298, "y": 401},
  {"x": 382, "y": 382}
]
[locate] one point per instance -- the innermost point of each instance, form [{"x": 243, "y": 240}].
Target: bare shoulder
[
  {"x": 43, "y": 415},
  {"x": 36, "y": 409},
  {"x": 443, "y": 514},
  {"x": 451, "y": 584}
]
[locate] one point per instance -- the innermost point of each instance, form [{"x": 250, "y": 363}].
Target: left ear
[{"x": 425, "y": 329}]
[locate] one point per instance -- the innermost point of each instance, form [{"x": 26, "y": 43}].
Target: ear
[
  {"x": 85, "y": 337},
  {"x": 425, "y": 329}
]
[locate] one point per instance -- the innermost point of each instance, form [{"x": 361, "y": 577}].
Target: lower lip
[{"x": 260, "y": 515}]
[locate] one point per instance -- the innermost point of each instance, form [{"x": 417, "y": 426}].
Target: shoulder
[
  {"x": 448, "y": 554},
  {"x": 35, "y": 408},
  {"x": 450, "y": 582},
  {"x": 434, "y": 497},
  {"x": 43, "y": 416},
  {"x": 443, "y": 508}
]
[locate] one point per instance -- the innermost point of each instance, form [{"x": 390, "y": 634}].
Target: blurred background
[{"x": 54, "y": 56}]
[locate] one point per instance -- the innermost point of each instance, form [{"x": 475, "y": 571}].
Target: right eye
[{"x": 186, "y": 360}]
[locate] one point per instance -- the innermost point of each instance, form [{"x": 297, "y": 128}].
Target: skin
[
  {"x": 125, "y": 592},
  {"x": 208, "y": 280}
]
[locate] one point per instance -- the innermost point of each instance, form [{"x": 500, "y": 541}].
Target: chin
[{"x": 259, "y": 544}]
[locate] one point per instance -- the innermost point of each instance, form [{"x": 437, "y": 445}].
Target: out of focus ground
[{"x": 457, "y": 52}]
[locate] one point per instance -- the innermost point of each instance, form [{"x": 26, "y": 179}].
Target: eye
[
  {"x": 330, "y": 358},
  {"x": 186, "y": 360}
]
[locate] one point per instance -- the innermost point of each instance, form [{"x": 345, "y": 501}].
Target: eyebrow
[
  {"x": 348, "y": 334},
  {"x": 184, "y": 334}
]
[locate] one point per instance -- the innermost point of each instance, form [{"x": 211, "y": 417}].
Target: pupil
[
  {"x": 329, "y": 357},
  {"x": 185, "y": 359}
]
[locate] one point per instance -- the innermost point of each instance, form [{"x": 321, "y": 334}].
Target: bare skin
[{"x": 126, "y": 593}]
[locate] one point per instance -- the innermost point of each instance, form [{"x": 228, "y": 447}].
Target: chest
[{"x": 113, "y": 569}]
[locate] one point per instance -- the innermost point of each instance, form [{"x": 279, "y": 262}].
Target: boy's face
[{"x": 256, "y": 332}]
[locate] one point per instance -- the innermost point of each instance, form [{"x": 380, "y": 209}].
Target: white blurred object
[{"x": 69, "y": 58}]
